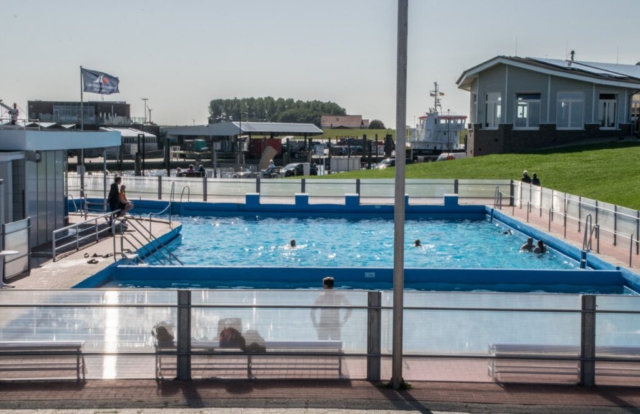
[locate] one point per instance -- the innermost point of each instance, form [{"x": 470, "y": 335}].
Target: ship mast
[{"x": 436, "y": 94}]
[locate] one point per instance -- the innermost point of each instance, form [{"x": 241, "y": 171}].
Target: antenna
[
  {"x": 516, "y": 46},
  {"x": 617, "y": 55}
]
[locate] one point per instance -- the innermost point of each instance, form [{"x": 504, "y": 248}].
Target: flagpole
[{"x": 80, "y": 162}]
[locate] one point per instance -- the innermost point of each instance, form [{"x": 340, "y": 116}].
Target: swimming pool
[{"x": 254, "y": 240}]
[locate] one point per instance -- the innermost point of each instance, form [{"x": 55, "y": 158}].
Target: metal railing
[
  {"x": 148, "y": 247},
  {"x": 80, "y": 232}
]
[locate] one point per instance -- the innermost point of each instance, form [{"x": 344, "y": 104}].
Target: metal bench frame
[{"x": 13, "y": 354}]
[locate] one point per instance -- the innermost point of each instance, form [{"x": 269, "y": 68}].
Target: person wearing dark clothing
[
  {"x": 525, "y": 177},
  {"x": 535, "y": 180},
  {"x": 114, "y": 194}
]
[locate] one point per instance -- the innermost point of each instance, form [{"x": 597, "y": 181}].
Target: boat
[{"x": 437, "y": 132}]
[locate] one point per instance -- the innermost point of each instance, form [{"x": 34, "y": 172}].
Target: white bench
[
  {"x": 33, "y": 356},
  {"x": 556, "y": 365},
  {"x": 264, "y": 361}
]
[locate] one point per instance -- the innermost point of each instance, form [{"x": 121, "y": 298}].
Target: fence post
[
  {"x": 257, "y": 185},
  {"x": 579, "y": 213},
  {"x": 455, "y": 186},
  {"x": 596, "y": 212},
  {"x": 374, "y": 335},
  {"x": 588, "y": 342},
  {"x": 159, "y": 187},
  {"x": 184, "y": 336},
  {"x": 204, "y": 188},
  {"x": 615, "y": 223},
  {"x": 303, "y": 186},
  {"x": 358, "y": 186},
  {"x": 512, "y": 191},
  {"x": 637, "y": 231}
]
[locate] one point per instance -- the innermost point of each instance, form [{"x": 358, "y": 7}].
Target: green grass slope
[{"x": 605, "y": 172}]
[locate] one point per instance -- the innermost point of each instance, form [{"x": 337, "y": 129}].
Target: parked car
[
  {"x": 451, "y": 156},
  {"x": 297, "y": 168},
  {"x": 390, "y": 162},
  {"x": 245, "y": 173}
]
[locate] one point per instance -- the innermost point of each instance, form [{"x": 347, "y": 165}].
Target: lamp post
[
  {"x": 239, "y": 133},
  {"x": 145, "y": 109}
]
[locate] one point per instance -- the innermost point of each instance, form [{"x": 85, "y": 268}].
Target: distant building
[
  {"x": 96, "y": 114},
  {"x": 343, "y": 121},
  {"x": 520, "y": 104}
]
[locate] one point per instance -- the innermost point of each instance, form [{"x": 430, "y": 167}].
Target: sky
[{"x": 182, "y": 54}]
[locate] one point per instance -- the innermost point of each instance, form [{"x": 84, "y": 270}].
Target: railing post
[
  {"x": 637, "y": 231},
  {"x": 455, "y": 186},
  {"x": 541, "y": 194},
  {"x": 257, "y": 185},
  {"x": 159, "y": 187},
  {"x": 631, "y": 250},
  {"x": 184, "y": 336},
  {"x": 358, "y": 186},
  {"x": 580, "y": 213},
  {"x": 615, "y": 223},
  {"x": 596, "y": 212},
  {"x": 512, "y": 192},
  {"x": 588, "y": 342},
  {"x": 303, "y": 186},
  {"x": 374, "y": 335},
  {"x": 204, "y": 188}
]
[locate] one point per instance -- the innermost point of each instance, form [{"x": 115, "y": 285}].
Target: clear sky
[{"x": 181, "y": 54}]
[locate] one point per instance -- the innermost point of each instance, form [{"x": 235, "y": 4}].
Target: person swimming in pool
[
  {"x": 292, "y": 243},
  {"x": 541, "y": 248},
  {"x": 528, "y": 246},
  {"x": 416, "y": 243}
]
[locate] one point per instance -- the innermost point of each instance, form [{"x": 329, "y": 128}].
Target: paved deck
[{"x": 73, "y": 267}]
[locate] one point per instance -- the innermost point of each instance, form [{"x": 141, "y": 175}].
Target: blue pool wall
[{"x": 608, "y": 273}]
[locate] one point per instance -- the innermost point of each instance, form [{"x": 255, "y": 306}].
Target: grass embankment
[{"x": 605, "y": 172}]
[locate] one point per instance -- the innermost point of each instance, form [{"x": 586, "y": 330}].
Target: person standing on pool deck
[{"x": 330, "y": 324}]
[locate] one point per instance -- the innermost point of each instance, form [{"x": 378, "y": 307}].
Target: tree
[
  {"x": 376, "y": 124},
  {"x": 269, "y": 109}
]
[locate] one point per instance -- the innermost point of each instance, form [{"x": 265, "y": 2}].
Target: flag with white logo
[{"x": 99, "y": 82}]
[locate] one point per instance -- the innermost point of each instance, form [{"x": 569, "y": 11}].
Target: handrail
[
  {"x": 588, "y": 224},
  {"x": 186, "y": 187},
  {"x": 151, "y": 238},
  {"x": 77, "y": 230},
  {"x": 168, "y": 207},
  {"x": 497, "y": 198}
]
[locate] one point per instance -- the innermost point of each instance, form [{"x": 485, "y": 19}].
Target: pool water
[{"x": 244, "y": 241}]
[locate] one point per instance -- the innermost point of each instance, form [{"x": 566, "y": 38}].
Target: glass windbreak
[
  {"x": 280, "y": 188},
  {"x": 618, "y": 329},
  {"x": 429, "y": 188},
  {"x": 231, "y": 187},
  {"x": 483, "y": 189},
  {"x": 377, "y": 188},
  {"x": 298, "y": 320},
  {"x": 104, "y": 329},
  {"x": 472, "y": 330},
  {"x": 330, "y": 188}
]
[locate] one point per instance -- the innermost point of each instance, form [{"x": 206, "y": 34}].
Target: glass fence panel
[
  {"x": 558, "y": 203},
  {"x": 617, "y": 337},
  {"x": 429, "y": 188},
  {"x": 588, "y": 208},
  {"x": 231, "y": 187},
  {"x": 377, "y": 188},
  {"x": 606, "y": 218},
  {"x": 546, "y": 199},
  {"x": 469, "y": 189},
  {"x": 574, "y": 211},
  {"x": 471, "y": 331},
  {"x": 628, "y": 222},
  {"x": 280, "y": 188},
  {"x": 330, "y": 188}
]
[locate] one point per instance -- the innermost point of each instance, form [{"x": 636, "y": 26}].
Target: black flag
[{"x": 99, "y": 82}]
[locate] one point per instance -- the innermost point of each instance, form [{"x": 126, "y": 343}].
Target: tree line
[{"x": 271, "y": 110}]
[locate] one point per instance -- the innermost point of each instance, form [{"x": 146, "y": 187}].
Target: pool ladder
[
  {"x": 149, "y": 246},
  {"x": 589, "y": 231}
]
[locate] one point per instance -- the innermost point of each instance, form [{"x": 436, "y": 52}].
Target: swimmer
[
  {"x": 541, "y": 248},
  {"x": 292, "y": 243},
  {"x": 528, "y": 246},
  {"x": 416, "y": 243},
  {"x": 508, "y": 232}
]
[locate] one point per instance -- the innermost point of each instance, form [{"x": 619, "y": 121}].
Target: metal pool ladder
[
  {"x": 589, "y": 231},
  {"x": 149, "y": 246}
]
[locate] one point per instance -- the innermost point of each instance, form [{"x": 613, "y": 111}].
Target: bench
[
  {"x": 43, "y": 356},
  {"x": 250, "y": 362},
  {"x": 556, "y": 365}
]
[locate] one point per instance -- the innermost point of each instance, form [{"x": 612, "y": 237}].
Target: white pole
[
  {"x": 399, "y": 209},
  {"x": 81, "y": 160}
]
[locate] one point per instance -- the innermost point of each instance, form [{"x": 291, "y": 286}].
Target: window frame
[
  {"x": 615, "y": 110},
  {"x": 571, "y": 101},
  {"x": 527, "y": 102},
  {"x": 497, "y": 114}
]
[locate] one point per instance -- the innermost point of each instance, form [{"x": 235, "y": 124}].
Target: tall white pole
[
  {"x": 399, "y": 209},
  {"x": 81, "y": 160}
]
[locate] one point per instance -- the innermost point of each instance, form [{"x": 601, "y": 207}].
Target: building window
[
  {"x": 527, "y": 110},
  {"x": 493, "y": 111},
  {"x": 607, "y": 110},
  {"x": 570, "y": 110}
]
